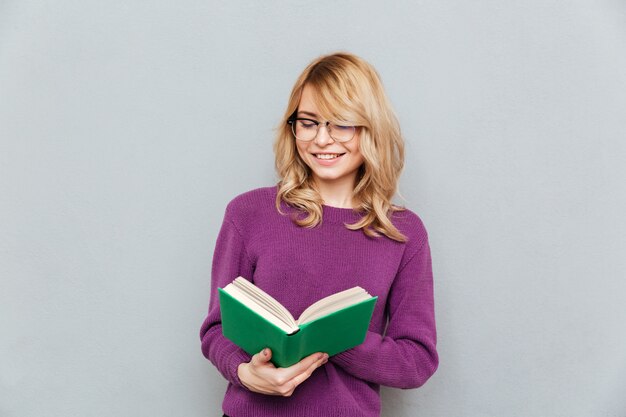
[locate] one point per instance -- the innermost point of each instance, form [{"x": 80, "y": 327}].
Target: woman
[{"x": 327, "y": 226}]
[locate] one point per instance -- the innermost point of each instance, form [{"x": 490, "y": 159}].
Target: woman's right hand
[{"x": 260, "y": 375}]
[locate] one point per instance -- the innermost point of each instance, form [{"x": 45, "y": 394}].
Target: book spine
[{"x": 291, "y": 351}]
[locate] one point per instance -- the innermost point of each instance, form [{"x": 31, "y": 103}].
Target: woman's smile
[{"x": 330, "y": 161}]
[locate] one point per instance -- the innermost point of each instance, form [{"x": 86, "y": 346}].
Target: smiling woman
[
  {"x": 333, "y": 163},
  {"x": 346, "y": 91},
  {"x": 329, "y": 225}
]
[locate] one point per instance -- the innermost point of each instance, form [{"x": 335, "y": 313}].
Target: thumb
[{"x": 262, "y": 357}]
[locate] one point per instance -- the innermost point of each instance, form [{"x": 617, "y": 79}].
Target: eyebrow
[{"x": 307, "y": 113}]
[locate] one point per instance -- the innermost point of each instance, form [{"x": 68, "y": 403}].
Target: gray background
[{"x": 126, "y": 127}]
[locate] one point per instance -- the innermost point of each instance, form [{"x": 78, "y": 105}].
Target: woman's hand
[{"x": 260, "y": 375}]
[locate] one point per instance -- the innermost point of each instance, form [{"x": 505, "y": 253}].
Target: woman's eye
[
  {"x": 342, "y": 127},
  {"x": 305, "y": 124}
]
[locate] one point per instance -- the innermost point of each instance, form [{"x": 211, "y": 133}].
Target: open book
[{"x": 253, "y": 320}]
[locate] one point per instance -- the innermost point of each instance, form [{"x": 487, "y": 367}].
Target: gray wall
[{"x": 125, "y": 129}]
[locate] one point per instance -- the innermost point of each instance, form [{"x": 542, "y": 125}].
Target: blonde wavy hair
[{"x": 346, "y": 88}]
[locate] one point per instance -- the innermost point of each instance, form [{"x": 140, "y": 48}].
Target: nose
[{"x": 323, "y": 136}]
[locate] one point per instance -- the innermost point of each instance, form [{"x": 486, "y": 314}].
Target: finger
[
  {"x": 298, "y": 379},
  {"x": 262, "y": 357},
  {"x": 302, "y": 366}
]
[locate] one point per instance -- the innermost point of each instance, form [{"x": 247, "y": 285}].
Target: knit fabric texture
[{"x": 298, "y": 266}]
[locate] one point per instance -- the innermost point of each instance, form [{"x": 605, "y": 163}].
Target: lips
[
  {"x": 327, "y": 159},
  {"x": 328, "y": 156}
]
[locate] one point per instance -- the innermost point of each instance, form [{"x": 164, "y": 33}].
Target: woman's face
[{"x": 331, "y": 162}]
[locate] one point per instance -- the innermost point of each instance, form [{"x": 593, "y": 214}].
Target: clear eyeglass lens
[
  {"x": 341, "y": 133},
  {"x": 306, "y": 130}
]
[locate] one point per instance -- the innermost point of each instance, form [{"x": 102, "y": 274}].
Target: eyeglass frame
[{"x": 291, "y": 121}]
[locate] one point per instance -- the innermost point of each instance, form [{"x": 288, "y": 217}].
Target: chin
[{"x": 327, "y": 176}]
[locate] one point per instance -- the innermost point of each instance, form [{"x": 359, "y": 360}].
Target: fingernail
[{"x": 265, "y": 352}]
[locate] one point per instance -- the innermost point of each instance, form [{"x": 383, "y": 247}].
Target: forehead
[
  {"x": 316, "y": 104},
  {"x": 308, "y": 100}
]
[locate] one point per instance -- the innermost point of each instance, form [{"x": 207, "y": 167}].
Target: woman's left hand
[{"x": 260, "y": 375}]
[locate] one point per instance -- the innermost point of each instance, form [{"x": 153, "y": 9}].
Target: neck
[{"x": 336, "y": 193}]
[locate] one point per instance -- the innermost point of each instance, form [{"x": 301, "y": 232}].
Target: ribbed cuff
[{"x": 234, "y": 360}]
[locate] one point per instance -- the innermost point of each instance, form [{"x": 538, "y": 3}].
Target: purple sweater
[{"x": 298, "y": 266}]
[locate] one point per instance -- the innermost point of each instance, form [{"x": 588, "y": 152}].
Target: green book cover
[{"x": 332, "y": 333}]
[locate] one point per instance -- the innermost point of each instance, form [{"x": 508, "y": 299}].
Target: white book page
[
  {"x": 265, "y": 300},
  {"x": 332, "y": 303},
  {"x": 250, "y": 302}
]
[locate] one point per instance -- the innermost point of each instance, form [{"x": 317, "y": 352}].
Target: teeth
[{"x": 327, "y": 156}]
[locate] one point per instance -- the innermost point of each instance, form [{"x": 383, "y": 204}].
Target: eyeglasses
[{"x": 307, "y": 129}]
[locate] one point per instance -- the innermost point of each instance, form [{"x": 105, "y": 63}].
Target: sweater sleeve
[
  {"x": 230, "y": 260},
  {"x": 406, "y": 356}
]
